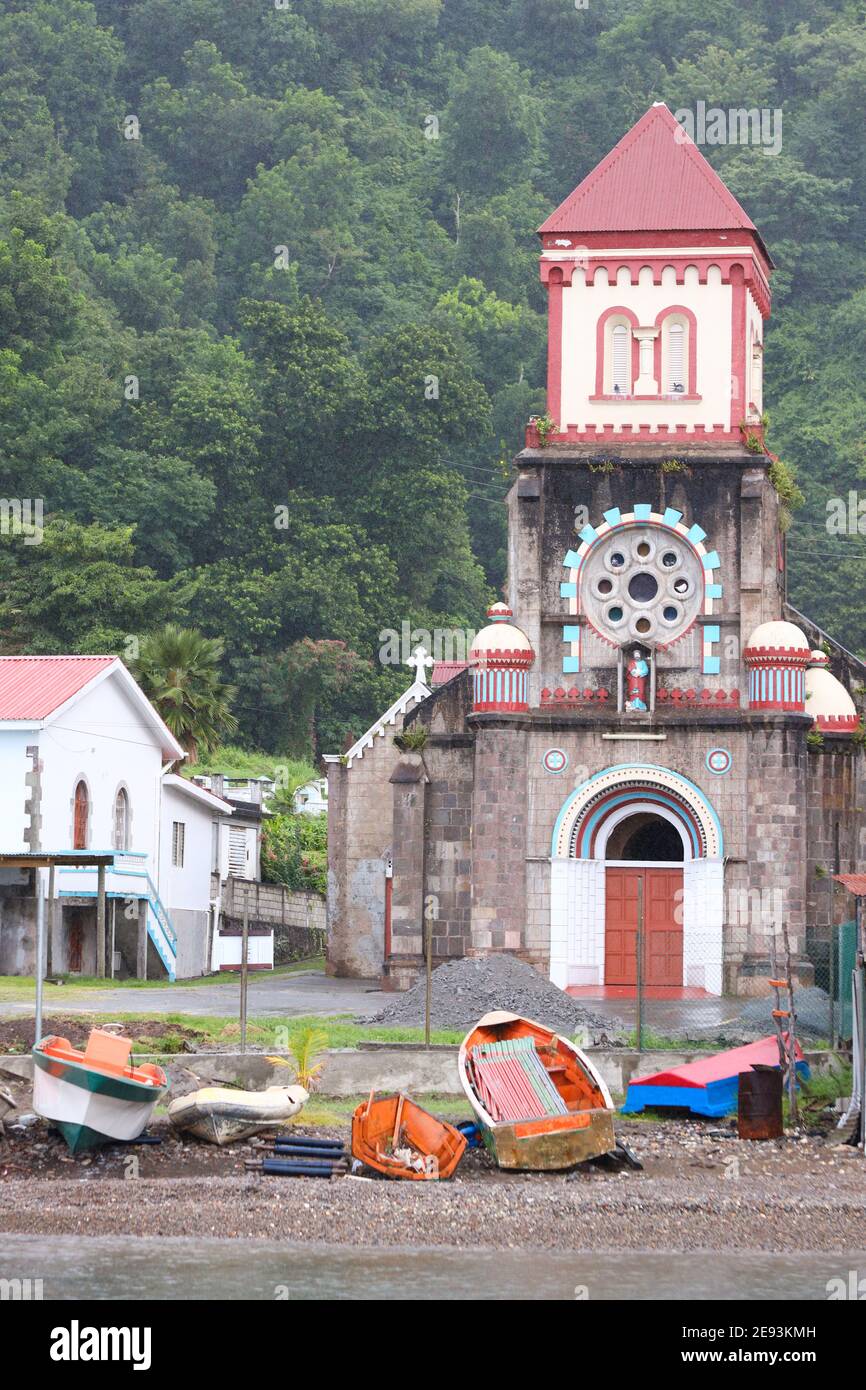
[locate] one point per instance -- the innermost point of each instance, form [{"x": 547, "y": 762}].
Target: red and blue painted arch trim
[{"x": 585, "y": 811}]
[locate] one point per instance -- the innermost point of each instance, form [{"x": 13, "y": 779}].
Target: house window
[
  {"x": 178, "y": 828},
  {"x": 81, "y": 808},
  {"x": 620, "y": 380},
  {"x": 121, "y": 819}
]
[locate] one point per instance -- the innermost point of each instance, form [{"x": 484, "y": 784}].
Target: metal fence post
[
  {"x": 639, "y": 966},
  {"x": 245, "y": 941}
]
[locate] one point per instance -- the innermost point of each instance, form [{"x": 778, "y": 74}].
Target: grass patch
[
  {"x": 335, "y": 1111},
  {"x": 14, "y": 988},
  {"x": 267, "y": 1033}
]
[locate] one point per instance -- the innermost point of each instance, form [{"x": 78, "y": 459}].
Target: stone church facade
[{"x": 646, "y": 717}]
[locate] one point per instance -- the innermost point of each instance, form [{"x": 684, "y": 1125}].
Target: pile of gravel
[
  {"x": 811, "y": 1006},
  {"x": 465, "y": 989}
]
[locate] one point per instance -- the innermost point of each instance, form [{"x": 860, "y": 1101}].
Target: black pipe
[
  {"x": 300, "y": 1152},
  {"x": 310, "y": 1143},
  {"x": 288, "y": 1168}
]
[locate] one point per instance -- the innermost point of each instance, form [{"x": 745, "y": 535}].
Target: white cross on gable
[{"x": 420, "y": 659}]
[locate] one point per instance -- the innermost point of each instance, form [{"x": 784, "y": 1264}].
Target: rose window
[{"x": 642, "y": 583}]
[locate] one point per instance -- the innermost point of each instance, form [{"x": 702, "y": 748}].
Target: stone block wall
[{"x": 836, "y": 838}]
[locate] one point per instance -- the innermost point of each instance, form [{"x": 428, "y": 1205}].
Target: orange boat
[
  {"x": 397, "y": 1138},
  {"x": 539, "y": 1102}
]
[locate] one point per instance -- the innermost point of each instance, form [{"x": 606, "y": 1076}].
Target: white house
[
  {"x": 83, "y": 755},
  {"x": 312, "y": 798},
  {"x": 190, "y": 820}
]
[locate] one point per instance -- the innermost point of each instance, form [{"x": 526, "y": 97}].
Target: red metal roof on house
[
  {"x": 444, "y": 671},
  {"x": 855, "y": 883},
  {"x": 32, "y": 687},
  {"x": 655, "y": 179}
]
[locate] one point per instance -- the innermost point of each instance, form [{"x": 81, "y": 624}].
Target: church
[{"x": 646, "y": 723}]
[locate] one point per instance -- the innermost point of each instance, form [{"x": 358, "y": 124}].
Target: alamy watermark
[
  {"x": 439, "y": 644},
  {"x": 758, "y": 126},
  {"x": 22, "y": 516}
]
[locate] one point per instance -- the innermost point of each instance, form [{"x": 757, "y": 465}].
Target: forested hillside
[{"x": 270, "y": 319}]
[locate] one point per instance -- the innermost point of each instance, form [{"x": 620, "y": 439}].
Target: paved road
[{"x": 304, "y": 992}]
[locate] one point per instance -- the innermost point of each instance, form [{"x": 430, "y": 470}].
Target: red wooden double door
[{"x": 663, "y": 929}]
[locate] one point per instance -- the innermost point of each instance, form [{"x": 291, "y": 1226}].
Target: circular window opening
[
  {"x": 617, "y": 560},
  {"x": 614, "y": 615},
  {"x": 644, "y": 550},
  {"x": 669, "y": 559},
  {"x": 605, "y": 586},
  {"x": 670, "y": 613},
  {"x": 681, "y": 586},
  {"x": 643, "y": 587},
  {"x": 643, "y": 625}
]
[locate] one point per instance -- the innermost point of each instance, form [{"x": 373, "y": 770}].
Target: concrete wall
[
  {"x": 406, "y": 1067},
  {"x": 274, "y": 903}
]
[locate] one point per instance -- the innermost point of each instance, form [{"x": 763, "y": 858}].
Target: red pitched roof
[
  {"x": 32, "y": 687},
  {"x": 654, "y": 180}
]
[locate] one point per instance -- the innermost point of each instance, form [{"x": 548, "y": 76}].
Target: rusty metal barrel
[{"x": 759, "y": 1108}]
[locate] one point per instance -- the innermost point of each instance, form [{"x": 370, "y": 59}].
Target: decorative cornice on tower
[
  {"x": 776, "y": 656},
  {"x": 501, "y": 656}
]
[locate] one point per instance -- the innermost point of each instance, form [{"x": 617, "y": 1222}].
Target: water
[{"x": 127, "y": 1268}]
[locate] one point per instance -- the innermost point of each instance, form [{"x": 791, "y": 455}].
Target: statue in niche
[{"x": 637, "y": 680}]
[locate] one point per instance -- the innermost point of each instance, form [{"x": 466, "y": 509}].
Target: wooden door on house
[
  {"x": 75, "y": 946},
  {"x": 663, "y": 932}
]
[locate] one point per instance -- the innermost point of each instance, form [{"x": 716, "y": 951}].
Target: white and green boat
[{"x": 95, "y": 1096}]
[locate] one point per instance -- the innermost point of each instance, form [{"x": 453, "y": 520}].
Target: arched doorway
[
  {"x": 637, "y": 830},
  {"x": 644, "y": 889}
]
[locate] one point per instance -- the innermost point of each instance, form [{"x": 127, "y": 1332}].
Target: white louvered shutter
[
  {"x": 237, "y": 853},
  {"x": 676, "y": 358},
  {"x": 619, "y": 366}
]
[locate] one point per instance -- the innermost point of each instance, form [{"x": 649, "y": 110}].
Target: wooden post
[
  {"x": 49, "y": 925},
  {"x": 100, "y": 921},
  {"x": 245, "y": 941},
  {"x": 141, "y": 945}
]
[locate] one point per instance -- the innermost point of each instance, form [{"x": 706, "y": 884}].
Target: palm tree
[{"x": 179, "y": 671}]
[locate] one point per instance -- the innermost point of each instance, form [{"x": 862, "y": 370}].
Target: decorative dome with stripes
[
  {"x": 500, "y": 658},
  {"x": 500, "y": 643},
  {"x": 827, "y": 700}
]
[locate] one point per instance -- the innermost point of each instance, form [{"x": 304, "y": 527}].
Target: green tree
[{"x": 179, "y": 671}]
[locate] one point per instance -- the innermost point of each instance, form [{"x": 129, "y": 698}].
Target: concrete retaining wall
[{"x": 387, "y": 1067}]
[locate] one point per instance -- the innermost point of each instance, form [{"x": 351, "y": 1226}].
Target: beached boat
[
  {"x": 221, "y": 1115},
  {"x": 94, "y": 1096},
  {"x": 539, "y": 1101},
  {"x": 396, "y": 1137}
]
